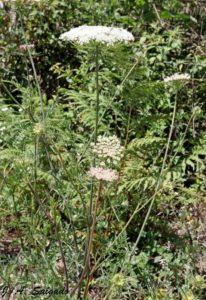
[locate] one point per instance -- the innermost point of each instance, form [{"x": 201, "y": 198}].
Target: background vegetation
[{"x": 44, "y": 189}]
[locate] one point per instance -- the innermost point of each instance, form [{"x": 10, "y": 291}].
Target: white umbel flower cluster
[
  {"x": 38, "y": 129},
  {"x": 108, "y": 149},
  {"x": 102, "y": 34},
  {"x": 103, "y": 174},
  {"x": 176, "y": 77}
]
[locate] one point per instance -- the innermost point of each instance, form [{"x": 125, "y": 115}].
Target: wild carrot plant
[{"x": 102, "y": 149}]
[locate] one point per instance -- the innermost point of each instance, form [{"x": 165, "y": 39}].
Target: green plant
[{"x": 48, "y": 119}]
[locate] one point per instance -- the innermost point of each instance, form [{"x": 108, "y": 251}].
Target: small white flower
[
  {"x": 103, "y": 174},
  {"x": 2, "y": 128},
  {"x": 103, "y": 34},
  {"x": 176, "y": 77},
  {"x": 4, "y": 109},
  {"x": 108, "y": 149}
]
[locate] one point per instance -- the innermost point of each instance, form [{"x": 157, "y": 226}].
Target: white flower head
[
  {"x": 102, "y": 34},
  {"x": 4, "y": 109},
  {"x": 103, "y": 174},
  {"x": 177, "y": 77},
  {"x": 107, "y": 149}
]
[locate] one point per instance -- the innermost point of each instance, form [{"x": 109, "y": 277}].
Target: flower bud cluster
[
  {"x": 38, "y": 129},
  {"x": 107, "y": 151}
]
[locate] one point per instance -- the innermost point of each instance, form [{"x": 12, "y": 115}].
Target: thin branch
[
  {"x": 54, "y": 224},
  {"x": 157, "y": 14},
  {"x": 89, "y": 248},
  {"x": 160, "y": 178}
]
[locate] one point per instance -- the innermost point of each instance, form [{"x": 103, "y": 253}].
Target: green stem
[
  {"x": 111, "y": 100},
  {"x": 97, "y": 92},
  {"x": 57, "y": 234},
  {"x": 159, "y": 180},
  {"x": 17, "y": 102},
  {"x": 87, "y": 250},
  {"x": 138, "y": 208},
  {"x": 124, "y": 154},
  {"x": 89, "y": 247},
  {"x": 96, "y": 131},
  {"x": 92, "y": 233},
  {"x": 128, "y": 127},
  {"x": 34, "y": 72}
]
